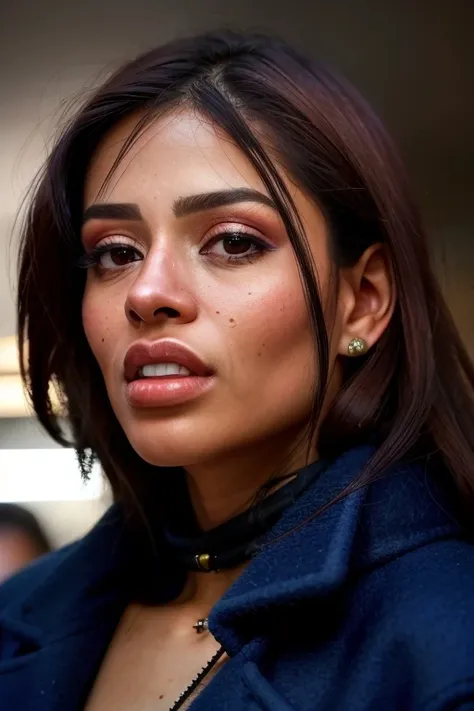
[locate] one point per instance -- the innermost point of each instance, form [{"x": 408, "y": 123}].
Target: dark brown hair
[{"x": 412, "y": 394}]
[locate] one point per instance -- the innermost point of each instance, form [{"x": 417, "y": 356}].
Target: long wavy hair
[{"x": 412, "y": 394}]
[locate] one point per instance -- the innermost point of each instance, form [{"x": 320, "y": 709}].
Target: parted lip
[{"x": 163, "y": 351}]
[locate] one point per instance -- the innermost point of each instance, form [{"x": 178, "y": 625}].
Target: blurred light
[
  {"x": 13, "y": 402},
  {"x": 9, "y": 363},
  {"x": 46, "y": 475}
]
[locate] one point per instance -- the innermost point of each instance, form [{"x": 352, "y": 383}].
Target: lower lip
[{"x": 167, "y": 391}]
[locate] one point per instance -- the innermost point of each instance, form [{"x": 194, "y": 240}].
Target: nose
[{"x": 160, "y": 293}]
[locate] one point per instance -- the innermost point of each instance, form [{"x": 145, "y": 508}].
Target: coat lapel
[
  {"x": 53, "y": 640},
  {"x": 307, "y": 558},
  {"x": 57, "y": 675}
]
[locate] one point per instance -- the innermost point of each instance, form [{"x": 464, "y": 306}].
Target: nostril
[
  {"x": 134, "y": 316},
  {"x": 166, "y": 311}
]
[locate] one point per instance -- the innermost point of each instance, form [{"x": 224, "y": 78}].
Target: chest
[
  {"x": 143, "y": 670},
  {"x": 151, "y": 661}
]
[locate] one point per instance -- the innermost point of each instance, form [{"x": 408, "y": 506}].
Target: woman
[{"x": 223, "y": 272}]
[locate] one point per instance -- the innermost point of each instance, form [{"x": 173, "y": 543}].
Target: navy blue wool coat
[{"x": 367, "y": 606}]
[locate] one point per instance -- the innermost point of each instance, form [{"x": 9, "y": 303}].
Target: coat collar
[
  {"x": 304, "y": 558},
  {"x": 309, "y": 557}
]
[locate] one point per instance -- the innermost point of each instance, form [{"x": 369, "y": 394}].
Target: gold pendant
[{"x": 203, "y": 561}]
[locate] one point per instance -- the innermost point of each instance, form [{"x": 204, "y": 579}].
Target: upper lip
[{"x": 163, "y": 351}]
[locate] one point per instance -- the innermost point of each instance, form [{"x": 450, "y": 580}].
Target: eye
[
  {"x": 113, "y": 257},
  {"x": 107, "y": 257},
  {"x": 235, "y": 246}
]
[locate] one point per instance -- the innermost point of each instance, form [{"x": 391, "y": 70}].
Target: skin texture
[{"x": 247, "y": 320}]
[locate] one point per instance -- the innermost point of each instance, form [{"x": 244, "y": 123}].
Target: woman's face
[{"x": 193, "y": 269}]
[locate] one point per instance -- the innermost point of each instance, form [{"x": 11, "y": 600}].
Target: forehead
[{"x": 179, "y": 153}]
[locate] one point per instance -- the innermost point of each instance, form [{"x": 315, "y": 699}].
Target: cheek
[
  {"x": 100, "y": 318},
  {"x": 281, "y": 323},
  {"x": 267, "y": 333}
]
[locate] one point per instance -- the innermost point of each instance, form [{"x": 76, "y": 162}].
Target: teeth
[{"x": 161, "y": 369}]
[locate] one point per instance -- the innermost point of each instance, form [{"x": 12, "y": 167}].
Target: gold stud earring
[{"x": 357, "y": 347}]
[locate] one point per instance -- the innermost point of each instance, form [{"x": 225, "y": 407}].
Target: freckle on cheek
[{"x": 217, "y": 312}]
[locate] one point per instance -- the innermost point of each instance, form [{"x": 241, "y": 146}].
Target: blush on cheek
[
  {"x": 278, "y": 323},
  {"x": 97, "y": 330}
]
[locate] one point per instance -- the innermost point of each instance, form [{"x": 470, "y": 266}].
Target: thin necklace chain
[{"x": 185, "y": 695}]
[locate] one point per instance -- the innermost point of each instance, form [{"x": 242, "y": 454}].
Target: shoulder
[
  {"x": 418, "y": 612},
  {"x": 414, "y": 592},
  {"x": 413, "y": 554},
  {"x": 435, "y": 581},
  {"x": 23, "y": 583}
]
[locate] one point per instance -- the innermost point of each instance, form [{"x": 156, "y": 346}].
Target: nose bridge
[{"x": 161, "y": 285}]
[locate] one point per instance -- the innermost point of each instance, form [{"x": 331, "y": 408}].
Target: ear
[{"x": 366, "y": 298}]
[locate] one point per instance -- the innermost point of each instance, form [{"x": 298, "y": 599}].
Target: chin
[
  {"x": 167, "y": 455},
  {"x": 170, "y": 446}
]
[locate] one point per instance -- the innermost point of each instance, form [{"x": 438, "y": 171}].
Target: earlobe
[{"x": 370, "y": 305}]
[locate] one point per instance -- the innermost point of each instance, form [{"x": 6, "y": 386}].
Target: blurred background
[{"x": 413, "y": 60}]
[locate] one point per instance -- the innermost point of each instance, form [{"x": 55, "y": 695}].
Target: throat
[
  {"x": 237, "y": 540},
  {"x": 220, "y": 490},
  {"x": 201, "y": 591}
]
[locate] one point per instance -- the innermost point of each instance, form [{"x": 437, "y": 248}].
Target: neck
[
  {"x": 203, "y": 590},
  {"x": 217, "y": 498}
]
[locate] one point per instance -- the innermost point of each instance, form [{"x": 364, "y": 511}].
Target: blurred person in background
[
  {"x": 224, "y": 273},
  {"x": 22, "y": 539}
]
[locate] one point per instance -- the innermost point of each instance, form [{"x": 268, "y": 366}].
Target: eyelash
[{"x": 92, "y": 259}]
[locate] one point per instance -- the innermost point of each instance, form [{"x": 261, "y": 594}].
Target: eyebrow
[
  {"x": 182, "y": 206},
  {"x": 112, "y": 211},
  {"x": 222, "y": 198}
]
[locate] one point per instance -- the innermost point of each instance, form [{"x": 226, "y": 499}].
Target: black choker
[{"x": 238, "y": 539}]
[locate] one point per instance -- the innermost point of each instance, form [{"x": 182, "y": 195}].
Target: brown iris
[
  {"x": 235, "y": 244},
  {"x": 121, "y": 256}
]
